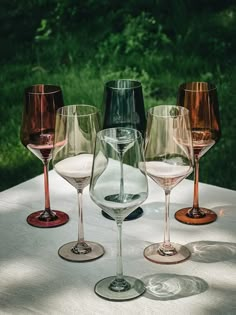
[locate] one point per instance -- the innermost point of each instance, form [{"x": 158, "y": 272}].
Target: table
[{"x": 35, "y": 280}]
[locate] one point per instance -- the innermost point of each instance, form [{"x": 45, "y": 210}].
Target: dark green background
[{"x": 82, "y": 44}]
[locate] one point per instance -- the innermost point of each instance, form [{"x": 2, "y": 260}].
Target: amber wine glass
[
  {"x": 37, "y": 135},
  {"x": 200, "y": 98},
  {"x": 169, "y": 159}
]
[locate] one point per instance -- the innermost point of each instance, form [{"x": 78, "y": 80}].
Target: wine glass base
[
  {"x": 65, "y": 252},
  {"x": 60, "y": 219},
  {"x": 137, "y": 213},
  {"x": 136, "y": 289},
  {"x": 182, "y": 216},
  {"x": 151, "y": 253}
]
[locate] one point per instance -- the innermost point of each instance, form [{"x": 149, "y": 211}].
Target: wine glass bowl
[
  {"x": 169, "y": 159},
  {"x": 200, "y": 98},
  {"x": 75, "y": 133},
  {"x": 118, "y": 185},
  {"x": 123, "y": 106},
  {"x": 37, "y": 135}
]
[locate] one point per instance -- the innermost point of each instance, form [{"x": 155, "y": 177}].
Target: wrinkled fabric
[{"x": 35, "y": 280}]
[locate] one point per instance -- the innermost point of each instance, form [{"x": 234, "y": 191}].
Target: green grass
[{"x": 159, "y": 61}]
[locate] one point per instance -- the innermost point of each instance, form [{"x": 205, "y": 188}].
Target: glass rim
[
  {"x": 101, "y": 133},
  {"x": 183, "y": 111},
  {"x": 211, "y": 86},
  {"x": 28, "y": 90},
  {"x": 67, "y": 108},
  {"x": 108, "y": 84}
]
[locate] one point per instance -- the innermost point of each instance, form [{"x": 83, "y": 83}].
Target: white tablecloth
[{"x": 35, "y": 280}]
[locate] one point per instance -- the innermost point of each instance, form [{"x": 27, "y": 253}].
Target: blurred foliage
[{"x": 81, "y": 44}]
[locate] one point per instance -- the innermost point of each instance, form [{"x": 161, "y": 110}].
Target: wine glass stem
[
  {"x": 119, "y": 264},
  {"x": 121, "y": 177},
  {"x": 80, "y": 224},
  {"x": 167, "y": 220},
  {"x": 119, "y": 284},
  {"x": 46, "y": 187},
  {"x": 81, "y": 247},
  {"x": 196, "y": 180}
]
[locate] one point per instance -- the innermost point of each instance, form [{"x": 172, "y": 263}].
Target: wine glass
[
  {"x": 37, "y": 135},
  {"x": 118, "y": 185},
  {"x": 75, "y": 134},
  {"x": 169, "y": 159},
  {"x": 200, "y": 98},
  {"x": 123, "y": 106}
]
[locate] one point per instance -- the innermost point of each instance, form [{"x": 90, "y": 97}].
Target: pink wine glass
[{"x": 37, "y": 135}]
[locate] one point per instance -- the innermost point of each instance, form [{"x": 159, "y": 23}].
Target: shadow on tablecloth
[
  {"x": 212, "y": 251},
  {"x": 167, "y": 286}
]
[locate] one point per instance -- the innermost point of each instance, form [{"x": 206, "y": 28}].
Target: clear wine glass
[
  {"x": 200, "y": 98},
  {"x": 123, "y": 106},
  {"x": 118, "y": 185},
  {"x": 37, "y": 134},
  {"x": 169, "y": 159},
  {"x": 75, "y": 134}
]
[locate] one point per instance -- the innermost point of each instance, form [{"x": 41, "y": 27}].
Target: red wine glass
[
  {"x": 37, "y": 135},
  {"x": 200, "y": 98}
]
